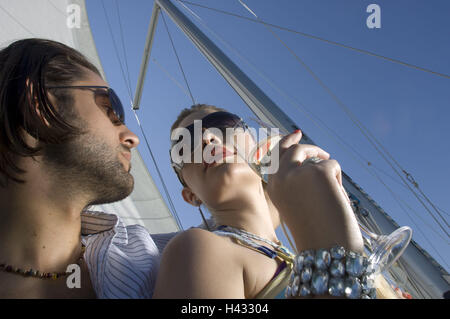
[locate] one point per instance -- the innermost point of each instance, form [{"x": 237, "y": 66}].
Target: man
[{"x": 64, "y": 146}]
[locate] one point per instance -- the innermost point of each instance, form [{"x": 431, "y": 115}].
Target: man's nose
[{"x": 128, "y": 138}]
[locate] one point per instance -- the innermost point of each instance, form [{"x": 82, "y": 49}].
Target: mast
[
  {"x": 430, "y": 279},
  {"x": 146, "y": 56}
]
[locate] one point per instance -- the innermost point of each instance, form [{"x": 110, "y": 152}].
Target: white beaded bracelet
[{"x": 333, "y": 272}]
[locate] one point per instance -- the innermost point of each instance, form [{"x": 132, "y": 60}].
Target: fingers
[
  {"x": 296, "y": 154},
  {"x": 292, "y": 154},
  {"x": 290, "y": 143},
  {"x": 289, "y": 140}
]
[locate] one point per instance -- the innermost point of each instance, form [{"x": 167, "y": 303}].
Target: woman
[{"x": 310, "y": 198}]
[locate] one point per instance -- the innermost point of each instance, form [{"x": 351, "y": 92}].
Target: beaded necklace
[{"x": 38, "y": 274}]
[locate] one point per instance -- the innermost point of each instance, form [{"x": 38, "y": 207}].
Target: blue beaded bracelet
[{"x": 333, "y": 272}]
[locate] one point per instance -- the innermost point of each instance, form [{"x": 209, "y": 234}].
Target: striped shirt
[{"x": 123, "y": 261}]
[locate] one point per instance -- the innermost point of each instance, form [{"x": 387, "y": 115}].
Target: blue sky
[{"x": 405, "y": 109}]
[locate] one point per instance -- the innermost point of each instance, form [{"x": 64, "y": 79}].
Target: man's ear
[
  {"x": 32, "y": 99},
  {"x": 190, "y": 197}
]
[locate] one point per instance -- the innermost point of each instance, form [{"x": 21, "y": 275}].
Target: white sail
[{"x": 57, "y": 20}]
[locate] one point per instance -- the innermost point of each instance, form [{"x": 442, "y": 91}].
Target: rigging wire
[
  {"x": 177, "y": 218},
  {"x": 17, "y": 21},
  {"x": 320, "y": 39},
  {"x": 443, "y": 211},
  {"x": 171, "y": 77},
  {"x": 123, "y": 47},
  {"x": 416, "y": 284},
  {"x": 116, "y": 51},
  {"x": 128, "y": 84},
  {"x": 411, "y": 284},
  {"x": 57, "y": 9},
  {"x": 178, "y": 59},
  {"x": 365, "y": 131}
]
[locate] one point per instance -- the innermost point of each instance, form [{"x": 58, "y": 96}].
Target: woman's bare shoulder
[
  {"x": 202, "y": 241},
  {"x": 190, "y": 266}
]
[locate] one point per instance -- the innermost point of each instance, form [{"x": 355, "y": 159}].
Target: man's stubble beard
[{"x": 87, "y": 165}]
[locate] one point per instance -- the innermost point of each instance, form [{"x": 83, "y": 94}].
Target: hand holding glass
[{"x": 384, "y": 250}]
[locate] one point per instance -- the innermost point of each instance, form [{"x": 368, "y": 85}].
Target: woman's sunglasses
[
  {"x": 218, "y": 120},
  {"x": 104, "y": 97}
]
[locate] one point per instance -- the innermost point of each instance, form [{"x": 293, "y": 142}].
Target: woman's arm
[{"x": 198, "y": 264}]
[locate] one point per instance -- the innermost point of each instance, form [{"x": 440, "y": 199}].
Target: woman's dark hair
[{"x": 27, "y": 67}]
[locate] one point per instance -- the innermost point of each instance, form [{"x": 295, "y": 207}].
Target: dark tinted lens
[
  {"x": 109, "y": 101},
  {"x": 117, "y": 105}
]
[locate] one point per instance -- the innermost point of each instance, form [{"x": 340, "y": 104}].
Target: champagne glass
[{"x": 262, "y": 157}]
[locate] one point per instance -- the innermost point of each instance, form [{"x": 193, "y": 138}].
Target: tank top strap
[{"x": 248, "y": 243}]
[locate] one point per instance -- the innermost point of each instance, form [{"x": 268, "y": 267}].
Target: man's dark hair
[{"x": 27, "y": 67}]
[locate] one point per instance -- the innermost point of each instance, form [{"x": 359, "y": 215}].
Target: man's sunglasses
[
  {"x": 218, "y": 120},
  {"x": 105, "y": 98}
]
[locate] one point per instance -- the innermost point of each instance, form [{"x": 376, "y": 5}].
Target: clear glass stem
[{"x": 386, "y": 249}]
